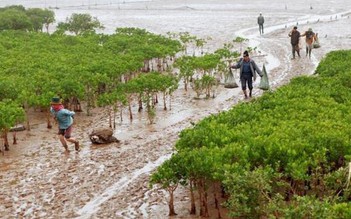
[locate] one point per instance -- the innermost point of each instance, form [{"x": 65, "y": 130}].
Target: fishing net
[
  {"x": 316, "y": 43},
  {"x": 264, "y": 83},
  {"x": 230, "y": 80}
]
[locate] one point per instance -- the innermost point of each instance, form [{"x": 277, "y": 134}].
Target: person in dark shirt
[
  {"x": 260, "y": 22},
  {"x": 248, "y": 70},
  {"x": 294, "y": 40}
]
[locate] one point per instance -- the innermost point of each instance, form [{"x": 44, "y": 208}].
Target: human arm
[
  {"x": 315, "y": 37},
  {"x": 298, "y": 34},
  {"x": 68, "y": 113},
  {"x": 237, "y": 65},
  {"x": 256, "y": 68},
  {"x": 72, "y": 113},
  {"x": 53, "y": 114},
  {"x": 234, "y": 66},
  {"x": 291, "y": 33}
]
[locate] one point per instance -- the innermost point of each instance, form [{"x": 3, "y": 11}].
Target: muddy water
[{"x": 37, "y": 180}]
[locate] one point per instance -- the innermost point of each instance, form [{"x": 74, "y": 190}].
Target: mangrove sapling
[
  {"x": 2, "y": 145},
  {"x": 151, "y": 115},
  {"x": 196, "y": 85},
  {"x": 208, "y": 82},
  {"x": 168, "y": 178},
  {"x": 11, "y": 114},
  {"x": 192, "y": 196}
]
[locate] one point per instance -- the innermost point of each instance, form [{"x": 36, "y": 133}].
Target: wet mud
[{"x": 38, "y": 180}]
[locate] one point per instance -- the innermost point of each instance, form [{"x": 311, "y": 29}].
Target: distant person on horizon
[
  {"x": 64, "y": 118},
  {"x": 295, "y": 39},
  {"x": 260, "y": 22},
  {"x": 248, "y": 70},
  {"x": 311, "y": 37}
]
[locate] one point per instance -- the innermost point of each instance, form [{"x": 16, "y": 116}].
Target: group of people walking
[
  {"x": 248, "y": 67},
  {"x": 248, "y": 73},
  {"x": 295, "y": 35}
]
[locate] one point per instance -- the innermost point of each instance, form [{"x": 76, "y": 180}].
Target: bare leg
[
  {"x": 63, "y": 142},
  {"x": 76, "y": 143}
]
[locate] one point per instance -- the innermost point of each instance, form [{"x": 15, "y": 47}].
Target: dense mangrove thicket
[
  {"x": 283, "y": 155},
  {"x": 130, "y": 67},
  {"x": 91, "y": 68}
]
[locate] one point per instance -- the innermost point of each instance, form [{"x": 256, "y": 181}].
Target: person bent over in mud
[
  {"x": 64, "y": 119},
  {"x": 248, "y": 69}
]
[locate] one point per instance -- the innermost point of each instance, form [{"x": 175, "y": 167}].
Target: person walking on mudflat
[
  {"x": 294, "y": 40},
  {"x": 248, "y": 69},
  {"x": 310, "y": 39},
  {"x": 64, "y": 119},
  {"x": 260, "y": 22}
]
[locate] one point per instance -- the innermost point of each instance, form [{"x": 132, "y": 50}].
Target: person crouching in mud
[
  {"x": 64, "y": 119},
  {"x": 248, "y": 69}
]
